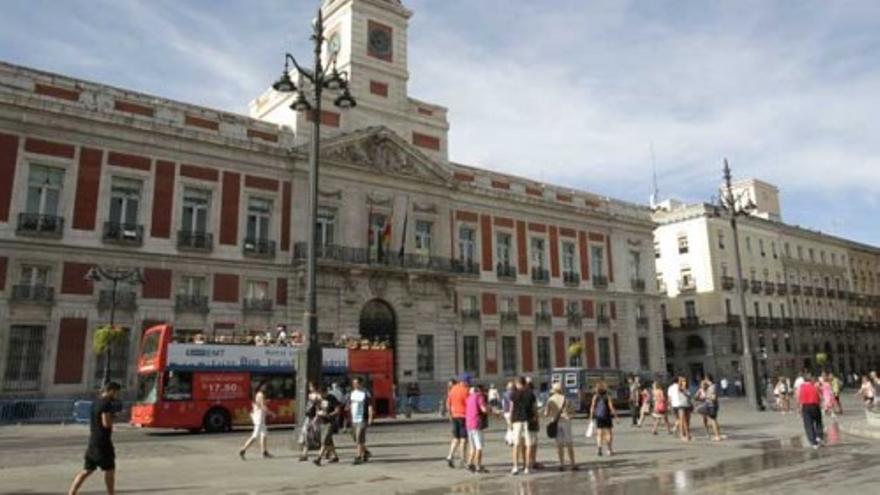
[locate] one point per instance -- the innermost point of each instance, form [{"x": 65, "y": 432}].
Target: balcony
[
  {"x": 259, "y": 248},
  {"x": 689, "y": 322},
  {"x": 808, "y": 290},
  {"x": 637, "y": 284},
  {"x": 642, "y": 322},
  {"x": 257, "y": 305},
  {"x": 733, "y": 320},
  {"x": 470, "y": 315},
  {"x": 191, "y": 303},
  {"x": 543, "y": 318},
  {"x": 195, "y": 241},
  {"x": 38, "y": 225},
  {"x": 509, "y": 316},
  {"x": 505, "y": 271},
  {"x": 688, "y": 285},
  {"x": 574, "y": 319},
  {"x": 756, "y": 286},
  {"x": 832, "y": 294},
  {"x": 762, "y": 322},
  {"x": 842, "y": 295},
  {"x": 795, "y": 289},
  {"x": 727, "y": 283},
  {"x": 820, "y": 292},
  {"x": 781, "y": 289},
  {"x": 600, "y": 282},
  {"x": 345, "y": 255},
  {"x": 804, "y": 322},
  {"x": 128, "y": 234},
  {"x": 571, "y": 279},
  {"x": 775, "y": 322},
  {"x": 540, "y": 275},
  {"x": 125, "y": 300},
  {"x": 603, "y": 320},
  {"x": 32, "y": 294},
  {"x": 769, "y": 288}
]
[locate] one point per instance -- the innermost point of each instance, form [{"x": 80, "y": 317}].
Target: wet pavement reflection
[{"x": 765, "y": 467}]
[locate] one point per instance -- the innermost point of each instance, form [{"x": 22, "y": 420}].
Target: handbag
[
  {"x": 509, "y": 439},
  {"x": 591, "y": 428},
  {"x": 553, "y": 426}
]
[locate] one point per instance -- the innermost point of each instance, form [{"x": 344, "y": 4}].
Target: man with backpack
[{"x": 601, "y": 411}]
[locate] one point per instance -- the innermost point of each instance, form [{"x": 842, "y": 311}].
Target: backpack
[{"x": 601, "y": 410}]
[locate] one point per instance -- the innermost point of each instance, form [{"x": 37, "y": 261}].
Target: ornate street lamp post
[
  {"x": 309, "y": 99},
  {"x": 733, "y": 206},
  {"x": 115, "y": 276}
]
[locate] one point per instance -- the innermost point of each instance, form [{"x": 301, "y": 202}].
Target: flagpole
[{"x": 402, "y": 251}]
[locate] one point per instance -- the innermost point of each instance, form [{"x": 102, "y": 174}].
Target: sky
[{"x": 569, "y": 92}]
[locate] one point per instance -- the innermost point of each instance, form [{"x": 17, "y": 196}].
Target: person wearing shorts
[
  {"x": 475, "y": 411},
  {"x": 329, "y": 410},
  {"x": 558, "y": 406},
  {"x": 259, "y": 411},
  {"x": 100, "y": 452},
  {"x": 523, "y": 411},
  {"x": 456, "y": 403},
  {"x": 361, "y": 417}
]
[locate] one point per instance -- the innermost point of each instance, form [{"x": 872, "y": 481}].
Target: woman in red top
[{"x": 809, "y": 402}]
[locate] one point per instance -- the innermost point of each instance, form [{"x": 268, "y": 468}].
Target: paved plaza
[{"x": 763, "y": 454}]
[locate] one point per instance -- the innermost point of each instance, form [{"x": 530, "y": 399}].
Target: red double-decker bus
[{"x": 209, "y": 386}]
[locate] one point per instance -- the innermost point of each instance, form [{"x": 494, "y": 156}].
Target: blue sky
[{"x": 569, "y": 92}]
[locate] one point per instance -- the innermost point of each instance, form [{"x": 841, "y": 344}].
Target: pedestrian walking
[
  {"x": 708, "y": 409},
  {"x": 827, "y": 395},
  {"x": 866, "y": 392},
  {"x": 476, "y": 420},
  {"x": 634, "y": 396},
  {"x": 780, "y": 392},
  {"x": 835, "y": 391},
  {"x": 808, "y": 404},
  {"x": 685, "y": 408},
  {"x": 259, "y": 412},
  {"x": 675, "y": 403},
  {"x": 327, "y": 417},
  {"x": 413, "y": 392},
  {"x": 534, "y": 424},
  {"x": 100, "y": 452},
  {"x": 724, "y": 385},
  {"x": 494, "y": 398},
  {"x": 310, "y": 431},
  {"x": 559, "y": 428},
  {"x": 601, "y": 411},
  {"x": 661, "y": 409},
  {"x": 456, "y": 404},
  {"x": 524, "y": 408},
  {"x": 361, "y": 417},
  {"x": 645, "y": 407},
  {"x": 506, "y": 409}
]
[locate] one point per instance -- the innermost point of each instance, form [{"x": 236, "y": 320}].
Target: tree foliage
[{"x": 107, "y": 336}]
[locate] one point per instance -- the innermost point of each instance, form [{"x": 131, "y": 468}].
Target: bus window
[
  {"x": 146, "y": 390},
  {"x": 151, "y": 346},
  {"x": 178, "y": 385},
  {"x": 278, "y": 386}
]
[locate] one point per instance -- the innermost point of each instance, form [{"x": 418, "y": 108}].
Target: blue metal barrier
[
  {"x": 427, "y": 403},
  {"x": 14, "y": 411}
]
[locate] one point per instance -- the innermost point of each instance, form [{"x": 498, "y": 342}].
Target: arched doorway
[{"x": 378, "y": 324}]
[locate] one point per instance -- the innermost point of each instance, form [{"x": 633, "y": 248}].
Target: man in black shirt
[
  {"x": 328, "y": 415},
  {"x": 523, "y": 411},
  {"x": 100, "y": 452}
]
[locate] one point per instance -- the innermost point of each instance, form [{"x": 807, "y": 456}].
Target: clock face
[
  {"x": 334, "y": 44},
  {"x": 380, "y": 42}
]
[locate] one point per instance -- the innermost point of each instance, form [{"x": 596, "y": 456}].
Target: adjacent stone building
[
  {"x": 813, "y": 299},
  {"x": 462, "y": 269}
]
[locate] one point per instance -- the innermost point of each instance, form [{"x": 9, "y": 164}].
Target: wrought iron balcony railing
[
  {"x": 200, "y": 241},
  {"x": 33, "y": 294},
  {"x": 192, "y": 303},
  {"x": 571, "y": 278},
  {"x": 262, "y": 248},
  {"x": 125, "y": 300},
  {"x": 36, "y": 224},
  {"x": 124, "y": 233},
  {"x": 257, "y": 305}
]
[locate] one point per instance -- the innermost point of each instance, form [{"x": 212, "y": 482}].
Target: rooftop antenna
[{"x": 655, "y": 193}]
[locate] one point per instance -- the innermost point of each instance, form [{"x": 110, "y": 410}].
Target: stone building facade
[
  {"x": 811, "y": 298},
  {"x": 462, "y": 269}
]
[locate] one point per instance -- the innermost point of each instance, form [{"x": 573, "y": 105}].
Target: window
[
  {"x": 259, "y": 217},
  {"x": 761, "y": 247},
  {"x": 573, "y": 308},
  {"x": 467, "y": 243},
  {"x": 727, "y": 308},
  {"x": 575, "y": 361},
  {"x": 425, "y": 356},
  {"x": 782, "y": 310},
  {"x": 663, "y": 312},
  {"x": 192, "y": 286},
  {"x": 597, "y": 260},
  {"x": 378, "y": 244},
  {"x": 424, "y": 237},
  {"x": 196, "y": 208},
  {"x": 538, "y": 254},
  {"x": 44, "y": 190},
  {"x": 748, "y": 244},
  {"x": 770, "y": 310},
  {"x": 640, "y": 311},
  {"x": 178, "y": 385},
  {"x": 644, "y": 356},
  {"x": 800, "y": 252},
  {"x": 682, "y": 244},
  {"x": 773, "y": 250},
  {"x": 469, "y": 303},
  {"x": 690, "y": 309},
  {"x": 543, "y": 353},
  {"x": 656, "y": 250},
  {"x": 257, "y": 290},
  {"x": 604, "y": 353},
  {"x": 787, "y": 341},
  {"x": 734, "y": 342},
  {"x": 757, "y": 309},
  {"x": 24, "y": 358},
  {"x": 125, "y": 199},
  {"x": 568, "y": 257},
  {"x": 822, "y": 256},
  {"x": 724, "y": 269},
  {"x": 325, "y": 227},
  {"x": 508, "y": 355},
  {"x": 720, "y": 239},
  {"x": 543, "y": 307},
  {"x": 687, "y": 279},
  {"x": 119, "y": 362},
  {"x": 508, "y": 305},
  {"x": 787, "y": 250},
  {"x": 471, "y": 354},
  {"x": 635, "y": 265},
  {"x": 503, "y": 243},
  {"x": 34, "y": 276},
  {"x": 601, "y": 311},
  {"x": 774, "y": 343},
  {"x": 812, "y": 255}
]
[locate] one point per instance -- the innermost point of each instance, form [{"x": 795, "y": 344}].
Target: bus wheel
[{"x": 217, "y": 420}]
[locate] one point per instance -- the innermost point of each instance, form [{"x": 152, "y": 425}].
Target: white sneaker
[
  {"x": 527, "y": 471},
  {"x": 514, "y": 471}
]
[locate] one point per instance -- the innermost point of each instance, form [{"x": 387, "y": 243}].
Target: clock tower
[{"x": 367, "y": 39}]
